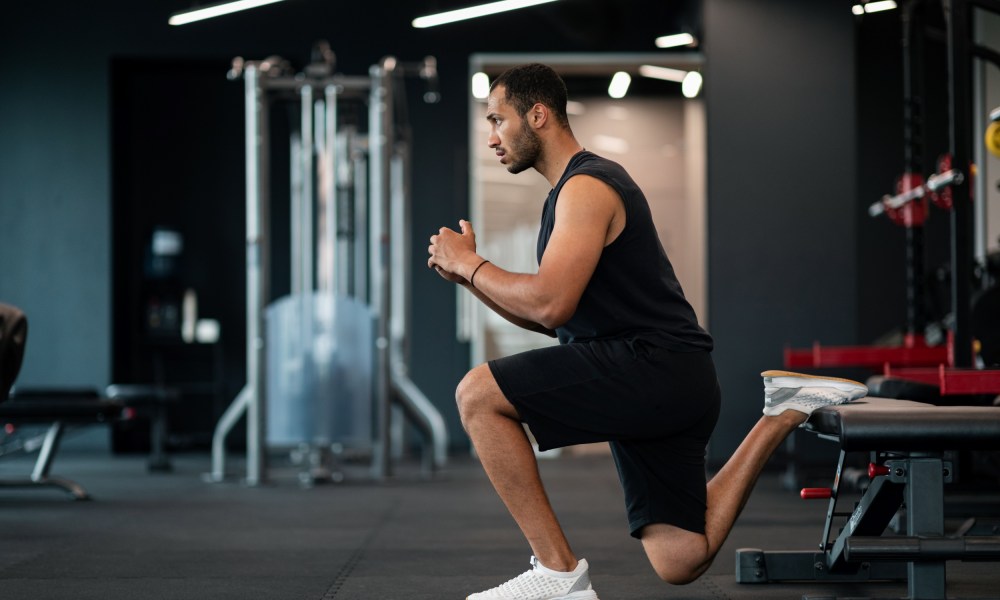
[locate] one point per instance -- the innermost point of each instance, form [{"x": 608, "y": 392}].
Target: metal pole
[
  {"x": 306, "y": 248},
  {"x": 360, "y": 201},
  {"x": 913, "y": 159},
  {"x": 379, "y": 135},
  {"x": 250, "y": 399},
  {"x": 258, "y": 202},
  {"x": 295, "y": 209},
  {"x": 960, "y": 83},
  {"x": 979, "y": 110},
  {"x": 330, "y": 193}
]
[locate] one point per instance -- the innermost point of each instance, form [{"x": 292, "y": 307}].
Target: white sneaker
[
  {"x": 541, "y": 583},
  {"x": 805, "y": 393}
]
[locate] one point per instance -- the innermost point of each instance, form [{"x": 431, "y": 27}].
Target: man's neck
[{"x": 557, "y": 154}]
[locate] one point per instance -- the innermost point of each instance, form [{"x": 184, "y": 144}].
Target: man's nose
[{"x": 493, "y": 140}]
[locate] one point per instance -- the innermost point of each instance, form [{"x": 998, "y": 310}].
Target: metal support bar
[
  {"x": 871, "y": 516},
  {"x": 252, "y": 397},
  {"x": 960, "y": 82},
  {"x": 229, "y": 419},
  {"x": 379, "y": 132},
  {"x": 331, "y": 214},
  {"x": 925, "y": 518},
  {"x": 917, "y": 549},
  {"x": 47, "y": 453},
  {"x": 831, "y": 510}
]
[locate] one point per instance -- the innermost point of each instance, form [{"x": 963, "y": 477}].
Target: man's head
[
  {"x": 525, "y": 102},
  {"x": 527, "y": 85}
]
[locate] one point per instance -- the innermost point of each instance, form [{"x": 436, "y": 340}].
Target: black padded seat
[
  {"x": 903, "y": 425},
  {"x": 43, "y": 406}
]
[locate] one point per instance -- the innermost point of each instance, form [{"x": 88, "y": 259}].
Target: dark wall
[
  {"x": 780, "y": 97},
  {"x": 780, "y": 92}
]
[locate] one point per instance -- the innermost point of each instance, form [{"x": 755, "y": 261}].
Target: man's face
[{"x": 515, "y": 142}]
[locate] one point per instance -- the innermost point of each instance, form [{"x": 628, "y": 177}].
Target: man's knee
[
  {"x": 469, "y": 395},
  {"x": 679, "y": 573},
  {"x": 678, "y": 556},
  {"x": 479, "y": 395}
]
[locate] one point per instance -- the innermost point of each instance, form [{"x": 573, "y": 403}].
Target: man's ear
[{"x": 538, "y": 115}]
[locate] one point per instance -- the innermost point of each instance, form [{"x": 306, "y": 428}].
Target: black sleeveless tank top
[{"x": 633, "y": 291}]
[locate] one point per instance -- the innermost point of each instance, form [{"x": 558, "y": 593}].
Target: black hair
[{"x": 527, "y": 85}]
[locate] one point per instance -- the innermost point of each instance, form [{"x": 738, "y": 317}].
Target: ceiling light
[
  {"x": 880, "y": 5},
  {"x": 619, "y": 84},
  {"x": 691, "y": 84},
  {"x": 480, "y": 86},
  {"x": 662, "y": 73},
  {"x": 216, "y": 10},
  {"x": 474, "y": 11},
  {"x": 678, "y": 39},
  {"x": 876, "y": 6}
]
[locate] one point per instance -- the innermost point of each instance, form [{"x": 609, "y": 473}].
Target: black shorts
[{"x": 656, "y": 408}]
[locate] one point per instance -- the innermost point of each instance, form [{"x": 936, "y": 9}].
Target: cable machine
[{"x": 327, "y": 363}]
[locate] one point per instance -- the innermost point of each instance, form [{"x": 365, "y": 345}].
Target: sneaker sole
[
  {"x": 581, "y": 595},
  {"x": 788, "y": 379}
]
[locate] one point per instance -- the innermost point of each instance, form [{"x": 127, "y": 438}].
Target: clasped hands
[{"x": 453, "y": 253}]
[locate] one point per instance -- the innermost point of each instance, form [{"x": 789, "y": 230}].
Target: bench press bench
[
  {"x": 57, "y": 409},
  {"x": 908, "y": 441}
]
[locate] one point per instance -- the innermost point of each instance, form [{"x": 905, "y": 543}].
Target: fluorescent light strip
[
  {"x": 870, "y": 7},
  {"x": 474, "y": 11},
  {"x": 880, "y": 5},
  {"x": 663, "y": 73},
  {"x": 678, "y": 39},
  {"x": 199, "y": 14},
  {"x": 619, "y": 84}
]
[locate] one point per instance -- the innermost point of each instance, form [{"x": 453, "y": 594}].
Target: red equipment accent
[
  {"x": 913, "y": 213},
  {"x": 951, "y": 381},
  {"x": 877, "y": 470},
  {"x": 943, "y": 197},
  {"x": 916, "y": 353},
  {"x": 816, "y": 493},
  {"x": 9, "y": 428}
]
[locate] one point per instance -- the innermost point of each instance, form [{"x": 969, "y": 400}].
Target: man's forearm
[{"x": 510, "y": 317}]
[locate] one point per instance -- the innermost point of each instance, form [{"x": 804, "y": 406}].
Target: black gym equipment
[
  {"x": 55, "y": 408},
  {"x": 909, "y": 471}
]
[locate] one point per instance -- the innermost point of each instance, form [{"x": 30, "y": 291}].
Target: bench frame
[{"x": 915, "y": 479}]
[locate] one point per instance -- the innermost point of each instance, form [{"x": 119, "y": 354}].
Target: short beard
[{"x": 527, "y": 146}]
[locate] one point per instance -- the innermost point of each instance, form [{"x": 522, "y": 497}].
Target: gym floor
[{"x": 171, "y": 536}]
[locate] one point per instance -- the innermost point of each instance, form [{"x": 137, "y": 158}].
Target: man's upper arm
[{"x": 586, "y": 212}]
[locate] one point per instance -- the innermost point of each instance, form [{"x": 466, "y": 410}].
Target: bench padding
[{"x": 902, "y": 425}]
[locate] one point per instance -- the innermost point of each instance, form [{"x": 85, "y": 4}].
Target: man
[{"x": 633, "y": 368}]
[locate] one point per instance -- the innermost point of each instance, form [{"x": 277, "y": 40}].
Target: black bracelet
[{"x": 472, "y": 280}]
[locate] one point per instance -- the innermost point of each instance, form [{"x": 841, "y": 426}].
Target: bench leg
[
  {"x": 40, "y": 474},
  {"x": 925, "y": 518},
  {"x": 158, "y": 459},
  {"x": 48, "y": 452}
]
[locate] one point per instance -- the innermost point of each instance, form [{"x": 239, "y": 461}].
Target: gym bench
[
  {"x": 56, "y": 408},
  {"x": 907, "y": 441}
]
